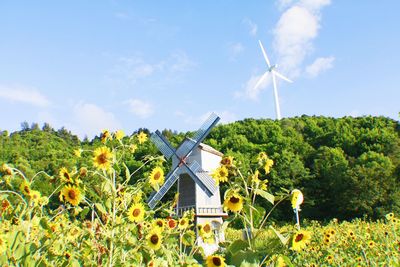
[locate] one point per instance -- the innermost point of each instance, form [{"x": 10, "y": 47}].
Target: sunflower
[
  {"x": 171, "y": 223},
  {"x": 267, "y": 166},
  {"x": 233, "y": 202},
  {"x": 215, "y": 261},
  {"x": 78, "y": 152},
  {"x": 227, "y": 161},
  {"x": 119, "y": 134},
  {"x": 5, "y": 204},
  {"x": 159, "y": 223},
  {"x": 105, "y": 135},
  {"x": 220, "y": 175},
  {"x": 102, "y": 158},
  {"x": 329, "y": 259},
  {"x": 142, "y": 137},
  {"x": 83, "y": 172},
  {"x": 371, "y": 244},
  {"x": 183, "y": 223},
  {"x": 6, "y": 169},
  {"x": 300, "y": 240},
  {"x": 205, "y": 230},
  {"x": 3, "y": 244},
  {"x": 35, "y": 196},
  {"x": 262, "y": 156},
  {"x": 136, "y": 213},
  {"x": 72, "y": 194},
  {"x": 280, "y": 262},
  {"x": 25, "y": 187},
  {"x": 156, "y": 178},
  {"x": 389, "y": 216},
  {"x": 65, "y": 175},
  {"x": 132, "y": 148},
  {"x": 154, "y": 239}
]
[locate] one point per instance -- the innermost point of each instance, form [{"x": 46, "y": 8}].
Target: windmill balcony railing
[{"x": 200, "y": 210}]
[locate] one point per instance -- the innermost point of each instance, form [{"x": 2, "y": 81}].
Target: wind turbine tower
[{"x": 272, "y": 70}]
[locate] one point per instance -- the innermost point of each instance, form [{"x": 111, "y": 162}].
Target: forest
[{"x": 346, "y": 167}]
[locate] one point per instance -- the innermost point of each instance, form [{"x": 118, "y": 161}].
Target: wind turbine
[{"x": 272, "y": 70}]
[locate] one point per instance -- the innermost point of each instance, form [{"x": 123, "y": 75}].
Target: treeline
[{"x": 346, "y": 167}]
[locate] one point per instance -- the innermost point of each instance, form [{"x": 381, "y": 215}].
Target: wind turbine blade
[
  {"x": 281, "y": 76},
  {"x": 265, "y": 54},
  {"x": 261, "y": 80}
]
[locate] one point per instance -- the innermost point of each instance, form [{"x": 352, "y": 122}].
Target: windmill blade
[
  {"x": 204, "y": 181},
  {"x": 261, "y": 80},
  {"x": 265, "y": 54},
  {"x": 169, "y": 181},
  {"x": 281, "y": 76},
  {"x": 199, "y": 135},
  {"x": 162, "y": 144}
]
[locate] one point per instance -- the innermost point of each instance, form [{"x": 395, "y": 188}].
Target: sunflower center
[
  {"x": 26, "y": 189},
  {"x": 102, "y": 158},
  {"x": 183, "y": 222},
  {"x": 234, "y": 200},
  {"x": 299, "y": 237},
  {"x": 207, "y": 228},
  {"x": 66, "y": 175},
  {"x": 72, "y": 194},
  {"x": 216, "y": 261},
  {"x": 160, "y": 223},
  {"x": 136, "y": 212},
  {"x": 154, "y": 239},
  {"x": 157, "y": 175}
]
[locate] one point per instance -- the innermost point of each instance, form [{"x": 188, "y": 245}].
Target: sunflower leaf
[
  {"x": 283, "y": 239},
  {"x": 266, "y": 195}
]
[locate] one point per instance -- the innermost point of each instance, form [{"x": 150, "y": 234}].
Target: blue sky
[{"x": 92, "y": 65}]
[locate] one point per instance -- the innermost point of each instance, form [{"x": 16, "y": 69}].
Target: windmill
[
  {"x": 272, "y": 69},
  {"x": 192, "y": 162}
]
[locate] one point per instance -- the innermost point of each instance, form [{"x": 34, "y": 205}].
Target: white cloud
[
  {"x": 320, "y": 65},
  {"x": 295, "y": 31},
  {"x": 24, "y": 95},
  {"x": 140, "y": 108},
  {"x": 90, "y": 120},
  {"x": 179, "y": 62},
  {"x": 251, "y": 25}
]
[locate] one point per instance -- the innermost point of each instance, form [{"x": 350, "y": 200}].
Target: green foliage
[{"x": 346, "y": 167}]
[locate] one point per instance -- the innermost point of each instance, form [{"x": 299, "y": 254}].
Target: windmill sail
[
  {"x": 162, "y": 144},
  {"x": 169, "y": 182},
  {"x": 204, "y": 181},
  {"x": 199, "y": 135}
]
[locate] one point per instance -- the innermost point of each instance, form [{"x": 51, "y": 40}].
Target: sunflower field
[{"x": 97, "y": 216}]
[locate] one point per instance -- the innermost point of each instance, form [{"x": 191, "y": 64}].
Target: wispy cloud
[
  {"x": 320, "y": 65},
  {"x": 295, "y": 31},
  {"x": 225, "y": 115},
  {"x": 90, "y": 119},
  {"x": 251, "y": 26},
  {"x": 140, "y": 108},
  {"x": 122, "y": 15},
  {"x": 136, "y": 68},
  {"x": 235, "y": 49},
  {"x": 24, "y": 95}
]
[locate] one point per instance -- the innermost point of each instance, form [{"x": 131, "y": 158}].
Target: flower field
[{"x": 96, "y": 216}]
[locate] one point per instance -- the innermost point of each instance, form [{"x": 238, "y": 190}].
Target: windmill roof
[
  {"x": 210, "y": 149},
  {"x": 204, "y": 147}
]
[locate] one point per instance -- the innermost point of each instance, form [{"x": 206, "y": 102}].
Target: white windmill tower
[
  {"x": 192, "y": 162},
  {"x": 272, "y": 69}
]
